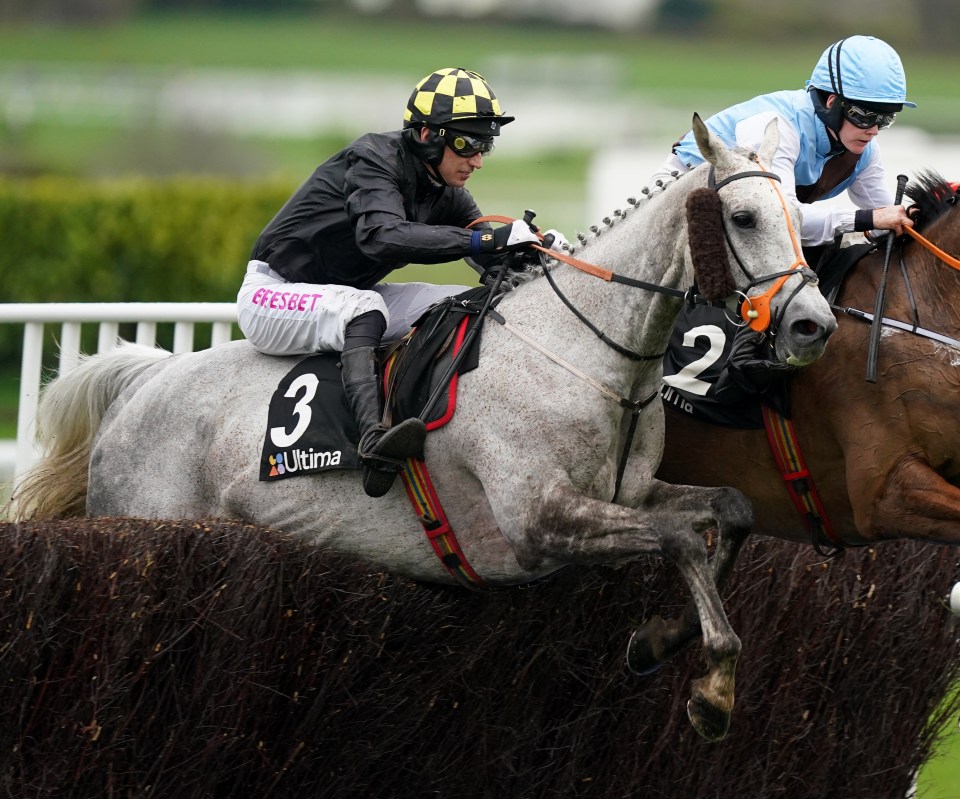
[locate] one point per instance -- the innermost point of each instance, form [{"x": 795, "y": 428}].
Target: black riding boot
[{"x": 383, "y": 451}]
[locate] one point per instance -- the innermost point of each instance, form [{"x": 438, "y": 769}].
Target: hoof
[
  {"x": 709, "y": 720},
  {"x": 641, "y": 657}
]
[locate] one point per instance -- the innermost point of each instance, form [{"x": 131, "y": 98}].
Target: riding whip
[
  {"x": 877, "y": 324},
  {"x": 528, "y": 216}
]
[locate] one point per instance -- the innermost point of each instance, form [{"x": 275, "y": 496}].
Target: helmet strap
[
  {"x": 832, "y": 118},
  {"x": 428, "y": 149}
]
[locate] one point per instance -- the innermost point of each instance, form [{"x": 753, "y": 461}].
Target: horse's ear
[
  {"x": 707, "y": 251},
  {"x": 702, "y": 136},
  {"x": 710, "y": 146},
  {"x": 771, "y": 140}
]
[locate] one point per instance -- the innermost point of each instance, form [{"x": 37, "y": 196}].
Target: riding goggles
[
  {"x": 862, "y": 118},
  {"x": 464, "y": 145}
]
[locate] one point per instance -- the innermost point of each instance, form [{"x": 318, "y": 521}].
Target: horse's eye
[{"x": 744, "y": 219}]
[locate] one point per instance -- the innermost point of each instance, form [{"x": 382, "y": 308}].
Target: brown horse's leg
[{"x": 916, "y": 502}]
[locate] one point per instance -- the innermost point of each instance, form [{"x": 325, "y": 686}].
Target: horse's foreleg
[
  {"x": 916, "y": 502},
  {"x": 657, "y": 640},
  {"x": 579, "y": 530}
]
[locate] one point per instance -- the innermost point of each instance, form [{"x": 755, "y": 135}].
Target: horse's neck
[
  {"x": 644, "y": 245},
  {"x": 935, "y": 284},
  {"x": 647, "y": 245}
]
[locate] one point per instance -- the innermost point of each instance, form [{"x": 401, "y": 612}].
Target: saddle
[{"x": 310, "y": 428}]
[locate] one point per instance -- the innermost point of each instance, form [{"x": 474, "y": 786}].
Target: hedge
[
  {"x": 186, "y": 239},
  {"x": 134, "y": 240}
]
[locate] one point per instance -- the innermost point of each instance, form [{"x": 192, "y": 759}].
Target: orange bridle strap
[
  {"x": 756, "y": 310},
  {"x": 583, "y": 266},
  {"x": 949, "y": 260}
]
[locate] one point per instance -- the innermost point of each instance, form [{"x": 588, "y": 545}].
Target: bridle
[{"x": 755, "y": 311}]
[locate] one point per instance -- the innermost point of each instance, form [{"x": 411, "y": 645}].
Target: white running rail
[{"x": 108, "y": 316}]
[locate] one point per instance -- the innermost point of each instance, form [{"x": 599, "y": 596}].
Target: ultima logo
[{"x": 301, "y": 460}]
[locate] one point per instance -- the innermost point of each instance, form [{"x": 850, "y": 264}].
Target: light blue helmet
[{"x": 862, "y": 68}]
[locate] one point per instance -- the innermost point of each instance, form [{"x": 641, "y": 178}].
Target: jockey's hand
[
  {"x": 554, "y": 240},
  {"x": 508, "y": 238},
  {"x": 752, "y": 367},
  {"x": 892, "y": 217}
]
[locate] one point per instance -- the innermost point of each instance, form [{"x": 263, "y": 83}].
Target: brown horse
[{"x": 884, "y": 456}]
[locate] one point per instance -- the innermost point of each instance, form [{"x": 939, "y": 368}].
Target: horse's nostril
[{"x": 810, "y": 329}]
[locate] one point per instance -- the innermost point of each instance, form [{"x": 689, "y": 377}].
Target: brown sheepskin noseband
[{"x": 705, "y": 234}]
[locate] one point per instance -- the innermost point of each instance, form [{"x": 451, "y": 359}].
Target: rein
[
  {"x": 949, "y": 260},
  {"x": 634, "y": 406},
  {"x": 914, "y": 328},
  {"x": 755, "y": 309}
]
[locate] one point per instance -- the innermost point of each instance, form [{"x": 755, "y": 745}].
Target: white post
[
  {"x": 29, "y": 394},
  {"x": 69, "y": 346}
]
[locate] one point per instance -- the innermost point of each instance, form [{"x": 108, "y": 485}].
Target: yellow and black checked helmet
[{"x": 457, "y": 98}]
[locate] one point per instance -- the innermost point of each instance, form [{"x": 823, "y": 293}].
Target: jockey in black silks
[{"x": 313, "y": 283}]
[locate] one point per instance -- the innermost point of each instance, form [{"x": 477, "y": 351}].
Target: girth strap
[
  {"x": 426, "y": 504},
  {"x": 799, "y": 482}
]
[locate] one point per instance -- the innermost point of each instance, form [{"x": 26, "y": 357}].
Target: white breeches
[{"x": 281, "y": 318}]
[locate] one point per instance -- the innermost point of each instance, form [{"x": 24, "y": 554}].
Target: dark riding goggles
[
  {"x": 863, "y": 118},
  {"x": 464, "y": 145}
]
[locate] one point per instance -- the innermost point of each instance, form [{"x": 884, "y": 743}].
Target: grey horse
[{"x": 528, "y": 467}]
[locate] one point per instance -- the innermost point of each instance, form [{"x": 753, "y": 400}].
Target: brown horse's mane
[{"x": 932, "y": 195}]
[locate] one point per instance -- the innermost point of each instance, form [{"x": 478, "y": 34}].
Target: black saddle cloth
[
  {"x": 310, "y": 427},
  {"x": 831, "y": 263}
]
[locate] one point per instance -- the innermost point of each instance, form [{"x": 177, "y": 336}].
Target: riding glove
[
  {"x": 507, "y": 238},
  {"x": 558, "y": 243},
  {"x": 751, "y": 368}
]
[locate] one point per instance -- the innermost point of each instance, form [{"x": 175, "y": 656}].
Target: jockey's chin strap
[{"x": 755, "y": 311}]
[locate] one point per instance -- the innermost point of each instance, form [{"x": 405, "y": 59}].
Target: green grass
[
  {"x": 9, "y": 398},
  {"x": 940, "y": 777},
  {"x": 332, "y": 42}
]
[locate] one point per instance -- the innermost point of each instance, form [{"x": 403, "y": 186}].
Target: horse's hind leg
[{"x": 580, "y": 530}]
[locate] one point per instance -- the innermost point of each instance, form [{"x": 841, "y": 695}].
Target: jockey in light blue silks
[{"x": 827, "y": 146}]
